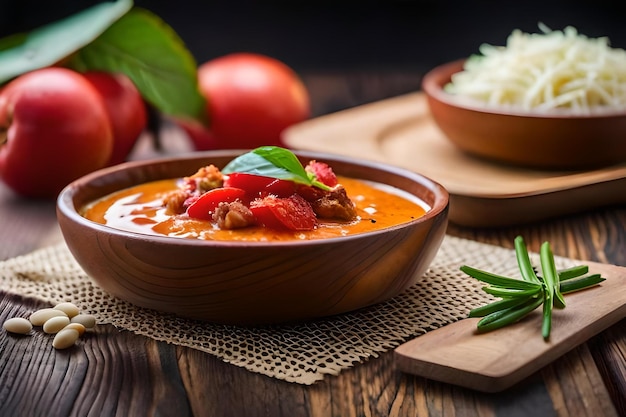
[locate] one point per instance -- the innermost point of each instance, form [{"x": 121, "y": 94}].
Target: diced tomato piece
[
  {"x": 291, "y": 213},
  {"x": 258, "y": 185},
  {"x": 323, "y": 172},
  {"x": 265, "y": 216},
  {"x": 280, "y": 188},
  {"x": 206, "y": 204}
]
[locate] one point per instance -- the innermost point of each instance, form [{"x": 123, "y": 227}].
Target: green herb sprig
[{"x": 520, "y": 297}]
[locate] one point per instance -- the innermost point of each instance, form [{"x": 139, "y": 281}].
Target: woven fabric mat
[{"x": 301, "y": 353}]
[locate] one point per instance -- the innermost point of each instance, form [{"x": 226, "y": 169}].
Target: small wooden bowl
[
  {"x": 552, "y": 141},
  {"x": 256, "y": 282}
]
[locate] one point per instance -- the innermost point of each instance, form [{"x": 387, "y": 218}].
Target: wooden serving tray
[
  {"x": 401, "y": 131},
  {"x": 494, "y": 361}
]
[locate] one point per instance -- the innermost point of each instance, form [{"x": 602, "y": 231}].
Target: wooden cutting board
[
  {"x": 402, "y": 132},
  {"x": 494, "y": 361}
]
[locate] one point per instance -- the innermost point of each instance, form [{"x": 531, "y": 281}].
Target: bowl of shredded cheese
[{"x": 548, "y": 100}]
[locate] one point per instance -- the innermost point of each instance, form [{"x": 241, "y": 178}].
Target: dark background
[{"x": 313, "y": 36}]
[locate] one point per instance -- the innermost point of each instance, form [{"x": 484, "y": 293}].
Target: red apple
[
  {"x": 126, "y": 109},
  {"x": 54, "y": 128},
  {"x": 251, "y": 99}
]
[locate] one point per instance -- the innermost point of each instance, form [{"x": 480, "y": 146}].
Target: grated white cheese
[{"x": 546, "y": 71}]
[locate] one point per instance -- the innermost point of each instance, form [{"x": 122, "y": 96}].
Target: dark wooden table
[{"x": 118, "y": 373}]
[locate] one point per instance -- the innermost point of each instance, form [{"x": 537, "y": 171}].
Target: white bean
[
  {"x": 68, "y": 308},
  {"x": 54, "y": 324},
  {"x": 76, "y": 326},
  {"x": 18, "y": 325},
  {"x": 64, "y": 320},
  {"x": 86, "y": 320},
  {"x": 39, "y": 317},
  {"x": 65, "y": 339}
]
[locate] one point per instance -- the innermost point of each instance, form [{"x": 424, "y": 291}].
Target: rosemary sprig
[{"x": 520, "y": 297}]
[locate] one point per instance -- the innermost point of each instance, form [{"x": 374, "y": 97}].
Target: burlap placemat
[{"x": 302, "y": 353}]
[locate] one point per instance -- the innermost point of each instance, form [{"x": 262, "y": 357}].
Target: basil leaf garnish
[{"x": 273, "y": 162}]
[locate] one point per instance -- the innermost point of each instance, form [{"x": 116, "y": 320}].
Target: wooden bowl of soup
[
  {"x": 256, "y": 277},
  {"x": 547, "y": 139}
]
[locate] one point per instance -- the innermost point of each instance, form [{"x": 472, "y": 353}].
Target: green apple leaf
[
  {"x": 148, "y": 51},
  {"x": 49, "y": 44}
]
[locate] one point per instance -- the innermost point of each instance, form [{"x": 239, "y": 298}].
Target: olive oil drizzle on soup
[{"x": 141, "y": 209}]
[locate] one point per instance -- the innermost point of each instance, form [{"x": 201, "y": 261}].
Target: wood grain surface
[{"x": 117, "y": 373}]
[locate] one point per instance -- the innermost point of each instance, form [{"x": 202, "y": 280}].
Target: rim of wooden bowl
[{"x": 68, "y": 207}]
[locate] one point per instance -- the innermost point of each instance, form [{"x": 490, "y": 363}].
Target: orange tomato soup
[{"x": 140, "y": 209}]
